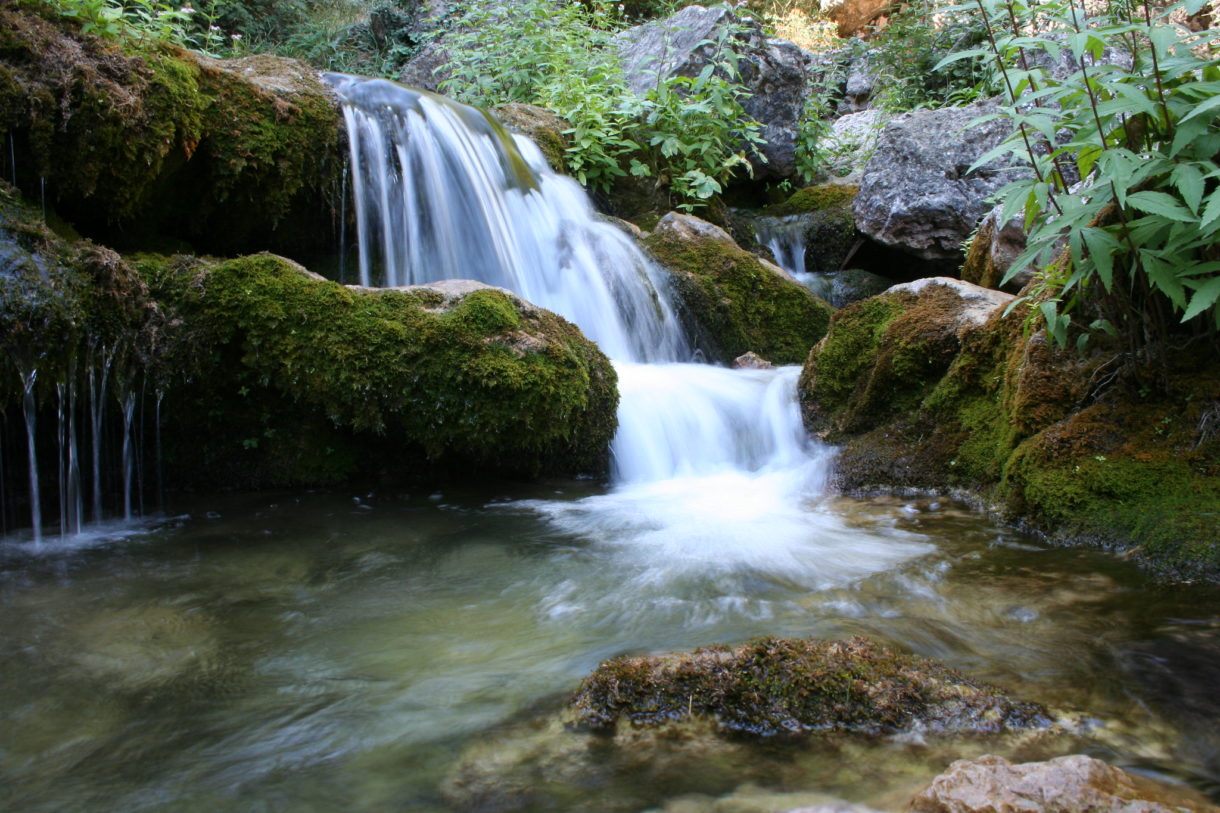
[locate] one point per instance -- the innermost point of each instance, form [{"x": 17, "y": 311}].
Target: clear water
[{"x": 327, "y": 651}]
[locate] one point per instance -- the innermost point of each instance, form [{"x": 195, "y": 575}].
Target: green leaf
[
  {"x": 1102, "y": 247},
  {"x": 1206, "y": 107},
  {"x": 1211, "y": 212},
  {"x": 1203, "y": 298},
  {"x": 1159, "y": 203},
  {"x": 1189, "y": 181}
]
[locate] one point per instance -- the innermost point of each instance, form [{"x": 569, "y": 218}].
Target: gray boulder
[
  {"x": 776, "y": 73},
  {"x": 918, "y": 195}
]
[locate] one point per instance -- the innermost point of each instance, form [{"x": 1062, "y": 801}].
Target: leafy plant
[
  {"x": 1131, "y": 248},
  {"x": 918, "y": 37},
  {"x": 689, "y": 132},
  {"x": 149, "y": 21}
]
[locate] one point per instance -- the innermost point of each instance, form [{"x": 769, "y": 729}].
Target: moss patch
[
  {"x": 812, "y": 199},
  {"x": 732, "y": 301},
  {"x": 783, "y": 686},
  {"x": 294, "y": 379}
]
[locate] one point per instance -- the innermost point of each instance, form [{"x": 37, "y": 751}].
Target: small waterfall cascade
[
  {"x": 442, "y": 191},
  {"x": 785, "y": 237}
]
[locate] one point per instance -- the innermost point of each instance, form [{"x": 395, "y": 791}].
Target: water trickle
[
  {"x": 97, "y": 409},
  {"x": 785, "y": 238},
  {"x": 128, "y": 403},
  {"x": 30, "y": 411}
]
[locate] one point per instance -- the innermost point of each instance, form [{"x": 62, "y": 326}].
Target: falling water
[
  {"x": 785, "y": 238},
  {"x": 128, "y": 402},
  {"x": 97, "y": 408},
  {"x": 30, "y": 411}
]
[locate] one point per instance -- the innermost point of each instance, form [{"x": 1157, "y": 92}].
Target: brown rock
[
  {"x": 1072, "y": 784},
  {"x": 853, "y": 16},
  {"x": 751, "y": 361}
]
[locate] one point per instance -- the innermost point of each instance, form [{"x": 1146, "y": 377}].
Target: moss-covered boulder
[
  {"x": 141, "y": 143},
  {"x": 1086, "y": 448},
  {"x": 733, "y": 302},
  {"x": 291, "y": 379},
  {"x": 883, "y": 355},
  {"x": 786, "y": 686},
  {"x": 816, "y": 221}
]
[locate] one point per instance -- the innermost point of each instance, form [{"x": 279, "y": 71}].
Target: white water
[
  {"x": 785, "y": 238},
  {"x": 715, "y": 476}
]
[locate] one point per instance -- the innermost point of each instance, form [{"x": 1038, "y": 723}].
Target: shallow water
[{"x": 382, "y": 651}]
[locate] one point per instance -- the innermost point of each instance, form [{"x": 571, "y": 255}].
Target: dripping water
[
  {"x": 29, "y": 410},
  {"x": 127, "y": 401},
  {"x": 785, "y": 238}
]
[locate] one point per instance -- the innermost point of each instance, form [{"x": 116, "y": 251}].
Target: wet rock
[
  {"x": 788, "y": 686},
  {"x": 731, "y": 301},
  {"x": 812, "y": 231},
  {"x": 144, "y": 647},
  {"x": 992, "y": 784},
  {"x": 752, "y": 361},
  {"x": 776, "y": 73},
  {"x": 853, "y": 285},
  {"x": 918, "y": 193},
  {"x": 227, "y": 155},
  {"x": 451, "y": 374}
]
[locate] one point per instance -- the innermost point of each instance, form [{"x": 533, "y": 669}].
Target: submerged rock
[
  {"x": 918, "y": 193},
  {"x": 733, "y": 302},
  {"x": 784, "y": 686},
  {"x": 288, "y": 378},
  {"x": 992, "y": 784}
]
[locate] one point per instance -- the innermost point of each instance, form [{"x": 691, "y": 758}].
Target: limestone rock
[
  {"x": 854, "y": 284},
  {"x": 543, "y": 127},
  {"x": 776, "y": 73},
  {"x": 882, "y": 355},
  {"x": 992, "y": 784},
  {"x": 731, "y": 301},
  {"x": 917, "y": 193}
]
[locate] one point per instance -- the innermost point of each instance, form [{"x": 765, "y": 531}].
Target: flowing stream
[{"x": 412, "y": 651}]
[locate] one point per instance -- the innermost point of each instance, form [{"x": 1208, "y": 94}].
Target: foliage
[
  {"x": 1131, "y": 247},
  {"x": 689, "y": 132},
  {"x": 150, "y": 21},
  {"x": 917, "y": 38},
  {"x": 817, "y": 150}
]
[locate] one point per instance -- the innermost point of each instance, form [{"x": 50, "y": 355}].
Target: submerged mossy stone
[
  {"x": 292, "y": 379},
  {"x": 786, "y": 686},
  {"x": 144, "y": 143},
  {"x": 1076, "y": 446},
  {"x": 733, "y": 302}
]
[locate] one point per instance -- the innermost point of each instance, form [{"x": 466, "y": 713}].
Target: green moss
[
  {"x": 784, "y": 686},
  {"x": 812, "y": 199},
  {"x": 734, "y": 303},
  {"x": 376, "y": 375}
]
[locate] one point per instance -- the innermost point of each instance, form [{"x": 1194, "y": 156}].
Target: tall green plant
[{"x": 1129, "y": 249}]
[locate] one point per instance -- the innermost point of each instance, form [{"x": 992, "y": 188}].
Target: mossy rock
[
  {"x": 796, "y": 686},
  {"x": 733, "y": 302},
  {"x": 142, "y": 143},
  {"x": 883, "y": 355},
  {"x": 1076, "y": 446},
  {"x": 292, "y": 379}
]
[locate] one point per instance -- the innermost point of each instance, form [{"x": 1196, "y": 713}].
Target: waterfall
[
  {"x": 785, "y": 238},
  {"x": 30, "y": 411}
]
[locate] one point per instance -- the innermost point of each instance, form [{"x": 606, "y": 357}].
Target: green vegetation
[
  {"x": 1141, "y": 225},
  {"x": 688, "y": 132},
  {"x": 794, "y": 687}
]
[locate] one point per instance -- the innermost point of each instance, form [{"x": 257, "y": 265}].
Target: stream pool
[{"x": 410, "y": 651}]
